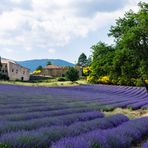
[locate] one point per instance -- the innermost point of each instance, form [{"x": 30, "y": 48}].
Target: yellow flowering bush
[
  {"x": 146, "y": 81},
  {"x": 86, "y": 71},
  {"x": 91, "y": 79},
  {"x": 104, "y": 80},
  {"x": 37, "y": 72}
]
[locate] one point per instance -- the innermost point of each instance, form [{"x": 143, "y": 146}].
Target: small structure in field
[{"x": 14, "y": 71}]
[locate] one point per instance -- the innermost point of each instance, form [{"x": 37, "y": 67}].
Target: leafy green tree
[
  {"x": 39, "y": 67},
  {"x": 82, "y": 60},
  {"x": 49, "y": 63},
  {"x": 131, "y": 35},
  {"x": 89, "y": 61},
  {"x": 102, "y": 59},
  {"x": 125, "y": 67},
  {"x": 72, "y": 74}
]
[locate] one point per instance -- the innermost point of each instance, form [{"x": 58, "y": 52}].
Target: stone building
[
  {"x": 14, "y": 71},
  {"x": 56, "y": 71}
]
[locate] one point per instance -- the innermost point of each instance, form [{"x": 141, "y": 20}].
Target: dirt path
[
  {"x": 132, "y": 114},
  {"x": 145, "y": 115}
]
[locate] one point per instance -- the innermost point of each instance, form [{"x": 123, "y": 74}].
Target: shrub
[
  {"x": 91, "y": 79},
  {"x": 86, "y": 71},
  {"x": 104, "y": 80},
  {"x": 4, "y": 77},
  {"x": 36, "y": 72},
  {"x": 146, "y": 81},
  {"x": 61, "y": 79},
  {"x": 72, "y": 74}
]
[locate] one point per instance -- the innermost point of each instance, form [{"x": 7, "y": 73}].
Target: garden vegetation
[{"x": 125, "y": 62}]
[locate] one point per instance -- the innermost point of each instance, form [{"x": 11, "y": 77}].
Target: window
[{"x": 12, "y": 70}]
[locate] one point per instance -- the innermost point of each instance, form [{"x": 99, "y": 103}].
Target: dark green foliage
[
  {"x": 72, "y": 74},
  {"x": 131, "y": 34},
  {"x": 39, "y": 67},
  {"x": 49, "y": 63},
  {"x": 126, "y": 63},
  {"x": 61, "y": 79},
  {"x": 4, "y": 146},
  {"x": 82, "y": 60},
  {"x": 102, "y": 59},
  {"x": 89, "y": 61}
]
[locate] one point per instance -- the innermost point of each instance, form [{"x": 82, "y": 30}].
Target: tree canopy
[
  {"x": 127, "y": 60},
  {"x": 72, "y": 74},
  {"x": 49, "y": 63},
  {"x": 82, "y": 60}
]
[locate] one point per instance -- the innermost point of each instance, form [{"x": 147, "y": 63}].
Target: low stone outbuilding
[
  {"x": 57, "y": 71},
  {"x": 54, "y": 71},
  {"x": 14, "y": 71}
]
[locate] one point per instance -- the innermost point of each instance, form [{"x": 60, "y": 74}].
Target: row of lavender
[
  {"x": 93, "y": 96},
  {"x": 46, "y": 135},
  {"x": 40, "y": 117},
  {"x": 110, "y": 97},
  {"x": 122, "y": 136}
]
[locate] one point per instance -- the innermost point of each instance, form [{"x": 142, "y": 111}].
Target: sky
[{"x": 57, "y": 29}]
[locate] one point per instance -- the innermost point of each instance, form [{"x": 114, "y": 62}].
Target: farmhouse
[
  {"x": 56, "y": 71},
  {"x": 14, "y": 71}
]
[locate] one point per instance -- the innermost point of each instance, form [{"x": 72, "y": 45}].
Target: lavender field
[{"x": 71, "y": 117}]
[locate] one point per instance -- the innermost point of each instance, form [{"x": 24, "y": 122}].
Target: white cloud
[
  {"x": 51, "y": 51},
  {"x": 28, "y": 49},
  {"x": 8, "y": 51},
  {"x": 46, "y": 24}
]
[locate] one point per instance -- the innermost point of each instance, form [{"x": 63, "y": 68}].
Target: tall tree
[
  {"x": 102, "y": 59},
  {"x": 131, "y": 33},
  {"x": 82, "y": 60},
  {"x": 49, "y": 63},
  {"x": 89, "y": 61}
]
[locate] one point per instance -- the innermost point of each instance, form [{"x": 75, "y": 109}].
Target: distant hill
[{"x": 33, "y": 64}]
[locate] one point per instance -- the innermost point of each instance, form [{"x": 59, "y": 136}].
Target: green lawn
[{"x": 46, "y": 83}]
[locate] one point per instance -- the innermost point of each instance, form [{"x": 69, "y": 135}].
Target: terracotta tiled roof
[{"x": 53, "y": 67}]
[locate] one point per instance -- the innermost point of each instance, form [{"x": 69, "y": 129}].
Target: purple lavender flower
[{"x": 145, "y": 145}]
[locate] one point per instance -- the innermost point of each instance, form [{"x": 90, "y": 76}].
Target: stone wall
[
  {"x": 54, "y": 72},
  {"x": 17, "y": 72},
  {"x": 59, "y": 72}
]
